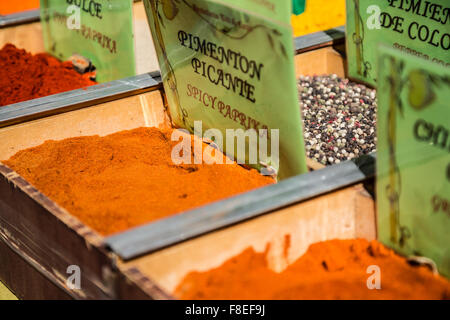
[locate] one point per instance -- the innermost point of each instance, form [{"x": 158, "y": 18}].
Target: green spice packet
[
  {"x": 420, "y": 28},
  {"x": 230, "y": 64},
  {"x": 100, "y": 30},
  {"x": 413, "y": 158}
]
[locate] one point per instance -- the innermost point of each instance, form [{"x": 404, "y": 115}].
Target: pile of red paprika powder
[
  {"x": 128, "y": 178},
  {"x": 24, "y": 76}
]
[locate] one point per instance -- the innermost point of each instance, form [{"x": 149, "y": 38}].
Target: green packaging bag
[
  {"x": 416, "y": 27},
  {"x": 413, "y": 157},
  {"x": 230, "y": 64},
  {"x": 100, "y": 30}
]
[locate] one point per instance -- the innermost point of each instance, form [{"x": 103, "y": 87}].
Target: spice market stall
[
  {"x": 77, "y": 168},
  {"x": 136, "y": 110},
  {"x": 356, "y": 218},
  {"x": 98, "y": 263}
]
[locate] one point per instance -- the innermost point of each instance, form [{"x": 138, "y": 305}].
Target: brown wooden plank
[
  {"x": 27, "y": 36},
  {"x": 53, "y": 238},
  {"x": 133, "y": 285},
  {"x": 46, "y": 234},
  {"x": 365, "y": 219},
  {"x": 25, "y": 281},
  {"x": 320, "y": 62},
  {"x": 124, "y": 114}
]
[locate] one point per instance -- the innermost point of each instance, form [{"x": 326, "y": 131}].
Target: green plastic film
[
  {"x": 413, "y": 158},
  {"x": 230, "y": 64},
  {"x": 416, "y": 27}
]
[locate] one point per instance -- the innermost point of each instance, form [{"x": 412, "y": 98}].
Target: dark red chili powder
[{"x": 24, "y": 76}]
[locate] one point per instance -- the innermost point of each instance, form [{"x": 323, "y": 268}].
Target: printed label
[
  {"x": 416, "y": 27},
  {"x": 413, "y": 158},
  {"x": 231, "y": 65},
  {"x": 100, "y": 30}
]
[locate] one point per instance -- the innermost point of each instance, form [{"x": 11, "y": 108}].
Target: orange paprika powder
[
  {"x": 14, "y": 6},
  {"x": 336, "y": 269},
  {"x": 24, "y": 76},
  {"x": 127, "y": 179}
]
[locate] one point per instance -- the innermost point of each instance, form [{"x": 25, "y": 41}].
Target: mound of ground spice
[
  {"x": 335, "y": 269},
  {"x": 127, "y": 179},
  {"x": 339, "y": 118},
  {"x": 24, "y": 76}
]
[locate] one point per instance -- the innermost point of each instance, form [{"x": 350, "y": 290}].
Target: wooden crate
[
  {"x": 45, "y": 235},
  {"x": 49, "y": 239},
  {"x": 41, "y": 239},
  {"x": 343, "y": 214}
]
